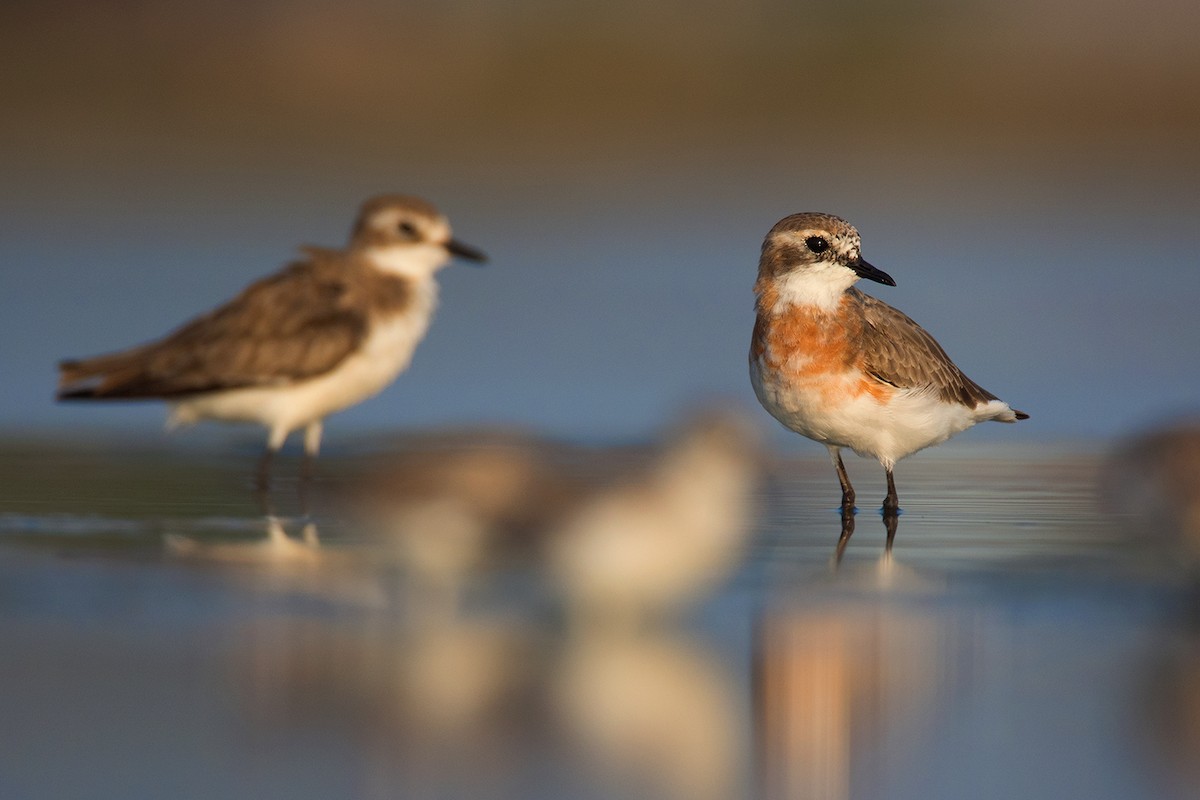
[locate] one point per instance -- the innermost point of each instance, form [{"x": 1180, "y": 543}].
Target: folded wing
[
  {"x": 284, "y": 328},
  {"x": 900, "y": 352}
]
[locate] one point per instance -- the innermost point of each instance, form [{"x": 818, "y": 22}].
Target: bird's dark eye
[
  {"x": 817, "y": 244},
  {"x": 408, "y": 230}
]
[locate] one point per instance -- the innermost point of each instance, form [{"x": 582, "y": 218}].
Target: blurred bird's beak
[{"x": 461, "y": 250}]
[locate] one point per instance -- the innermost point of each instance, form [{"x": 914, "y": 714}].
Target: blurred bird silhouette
[
  {"x": 326, "y": 333},
  {"x": 449, "y": 507},
  {"x": 1152, "y": 481},
  {"x": 668, "y": 531},
  {"x": 623, "y": 530}
]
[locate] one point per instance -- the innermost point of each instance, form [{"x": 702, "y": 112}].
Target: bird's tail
[
  {"x": 99, "y": 377},
  {"x": 1010, "y": 415},
  {"x": 999, "y": 411}
]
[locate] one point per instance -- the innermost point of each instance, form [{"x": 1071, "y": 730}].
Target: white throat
[
  {"x": 418, "y": 261},
  {"x": 821, "y": 285}
]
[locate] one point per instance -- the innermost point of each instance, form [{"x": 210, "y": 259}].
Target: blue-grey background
[{"x": 1026, "y": 171}]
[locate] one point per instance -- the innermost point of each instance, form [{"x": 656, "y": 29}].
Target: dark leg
[
  {"x": 847, "y": 532},
  {"x": 843, "y": 479},
  {"x": 262, "y": 477},
  {"x": 312, "y": 445},
  {"x": 890, "y": 523},
  {"x": 307, "y": 468},
  {"x": 891, "y": 504},
  {"x": 305, "y": 483}
]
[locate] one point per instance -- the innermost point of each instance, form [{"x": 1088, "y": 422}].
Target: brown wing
[
  {"x": 286, "y": 327},
  {"x": 900, "y": 352}
]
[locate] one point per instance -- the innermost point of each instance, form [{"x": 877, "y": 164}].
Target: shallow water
[{"x": 163, "y": 639}]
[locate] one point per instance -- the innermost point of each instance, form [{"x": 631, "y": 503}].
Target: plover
[
  {"x": 845, "y": 369},
  {"x": 662, "y": 535},
  {"x": 624, "y": 533},
  {"x": 325, "y": 333}
]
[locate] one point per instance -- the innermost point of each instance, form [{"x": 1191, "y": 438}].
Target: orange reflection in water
[{"x": 836, "y": 682}]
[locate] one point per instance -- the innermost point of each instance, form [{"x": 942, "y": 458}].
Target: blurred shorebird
[
  {"x": 325, "y": 333},
  {"x": 646, "y": 545},
  {"x": 845, "y": 369},
  {"x": 453, "y": 505},
  {"x": 626, "y": 532},
  {"x": 1152, "y": 482}
]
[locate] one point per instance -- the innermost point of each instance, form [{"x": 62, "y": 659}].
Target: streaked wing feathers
[
  {"x": 286, "y": 327},
  {"x": 900, "y": 352}
]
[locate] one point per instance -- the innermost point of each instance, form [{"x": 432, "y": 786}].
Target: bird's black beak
[
  {"x": 461, "y": 250},
  {"x": 864, "y": 270}
]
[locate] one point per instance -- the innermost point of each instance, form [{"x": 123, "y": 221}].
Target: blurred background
[{"x": 1026, "y": 171}]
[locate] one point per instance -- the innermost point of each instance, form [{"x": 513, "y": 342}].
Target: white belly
[
  {"x": 909, "y": 421},
  {"x": 385, "y": 353}
]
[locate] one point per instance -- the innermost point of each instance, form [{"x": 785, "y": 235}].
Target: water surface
[{"x": 163, "y": 639}]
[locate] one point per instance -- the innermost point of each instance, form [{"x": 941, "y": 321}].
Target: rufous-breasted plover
[
  {"x": 845, "y": 369},
  {"x": 328, "y": 331}
]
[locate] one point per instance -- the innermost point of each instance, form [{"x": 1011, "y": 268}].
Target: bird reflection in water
[
  {"x": 651, "y": 715},
  {"x": 834, "y": 682},
  {"x": 619, "y": 531},
  {"x": 462, "y": 688},
  {"x": 497, "y": 706},
  {"x": 890, "y": 523},
  {"x": 279, "y": 564},
  {"x": 277, "y": 547},
  {"x": 648, "y": 710}
]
